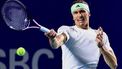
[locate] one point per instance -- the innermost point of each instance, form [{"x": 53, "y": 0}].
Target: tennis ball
[{"x": 20, "y": 51}]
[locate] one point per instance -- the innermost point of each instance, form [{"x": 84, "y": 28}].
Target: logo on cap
[{"x": 78, "y": 6}]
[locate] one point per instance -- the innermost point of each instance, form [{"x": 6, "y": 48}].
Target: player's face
[{"x": 81, "y": 18}]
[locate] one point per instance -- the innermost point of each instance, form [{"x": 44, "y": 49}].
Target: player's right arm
[{"x": 56, "y": 40}]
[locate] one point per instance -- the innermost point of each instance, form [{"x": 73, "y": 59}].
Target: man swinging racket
[{"x": 81, "y": 45}]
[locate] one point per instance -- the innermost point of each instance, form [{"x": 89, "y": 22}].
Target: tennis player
[{"x": 81, "y": 45}]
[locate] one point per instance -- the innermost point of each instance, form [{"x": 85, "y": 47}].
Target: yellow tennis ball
[{"x": 20, "y": 51}]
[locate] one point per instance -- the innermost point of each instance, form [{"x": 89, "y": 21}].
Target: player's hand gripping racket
[{"x": 15, "y": 16}]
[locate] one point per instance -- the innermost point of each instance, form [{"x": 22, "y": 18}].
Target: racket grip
[{"x": 44, "y": 29}]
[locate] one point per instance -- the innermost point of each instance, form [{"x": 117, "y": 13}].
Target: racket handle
[{"x": 44, "y": 29}]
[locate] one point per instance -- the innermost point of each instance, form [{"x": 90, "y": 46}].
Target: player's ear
[{"x": 89, "y": 14}]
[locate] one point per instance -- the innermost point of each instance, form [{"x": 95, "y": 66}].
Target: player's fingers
[
  {"x": 98, "y": 31},
  {"x": 46, "y": 34},
  {"x": 50, "y": 34},
  {"x": 101, "y": 30},
  {"x": 99, "y": 37}
]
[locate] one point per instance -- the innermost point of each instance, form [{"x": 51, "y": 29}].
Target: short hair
[{"x": 80, "y": 1}]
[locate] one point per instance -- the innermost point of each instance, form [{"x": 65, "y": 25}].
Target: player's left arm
[{"x": 108, "y": 54}]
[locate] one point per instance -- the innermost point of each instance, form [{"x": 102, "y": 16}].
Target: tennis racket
[{"x": 15, "y": 16}]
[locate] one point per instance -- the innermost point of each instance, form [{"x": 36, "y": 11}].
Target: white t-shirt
[{"x": 80, "y": 51}]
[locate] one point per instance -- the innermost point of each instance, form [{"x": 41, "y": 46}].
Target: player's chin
[{"x": 84, "y": 25}]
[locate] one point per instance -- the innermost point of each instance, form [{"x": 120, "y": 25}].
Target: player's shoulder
[{"x": 65, "y": 27}]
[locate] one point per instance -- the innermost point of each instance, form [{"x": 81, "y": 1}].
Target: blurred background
[{"x": 53, "y": 14}]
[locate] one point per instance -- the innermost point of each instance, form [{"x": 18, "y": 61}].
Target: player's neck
[{"x": 86, "y": 28}]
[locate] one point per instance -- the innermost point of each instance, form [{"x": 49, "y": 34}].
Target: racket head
[{"x": 14, "y": 15}]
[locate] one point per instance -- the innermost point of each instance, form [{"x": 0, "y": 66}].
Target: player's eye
[{"x": 75, "y": 12}]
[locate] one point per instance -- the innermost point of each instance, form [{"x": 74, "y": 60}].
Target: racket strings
[{"x": 15, "y": 15}]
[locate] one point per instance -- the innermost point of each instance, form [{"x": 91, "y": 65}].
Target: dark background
[{"x": 53, "y": 14}]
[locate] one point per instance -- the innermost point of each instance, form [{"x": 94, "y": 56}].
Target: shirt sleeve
[
  {"x": 106, "y": 41},
  {"x": 63, "y": 29}
]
